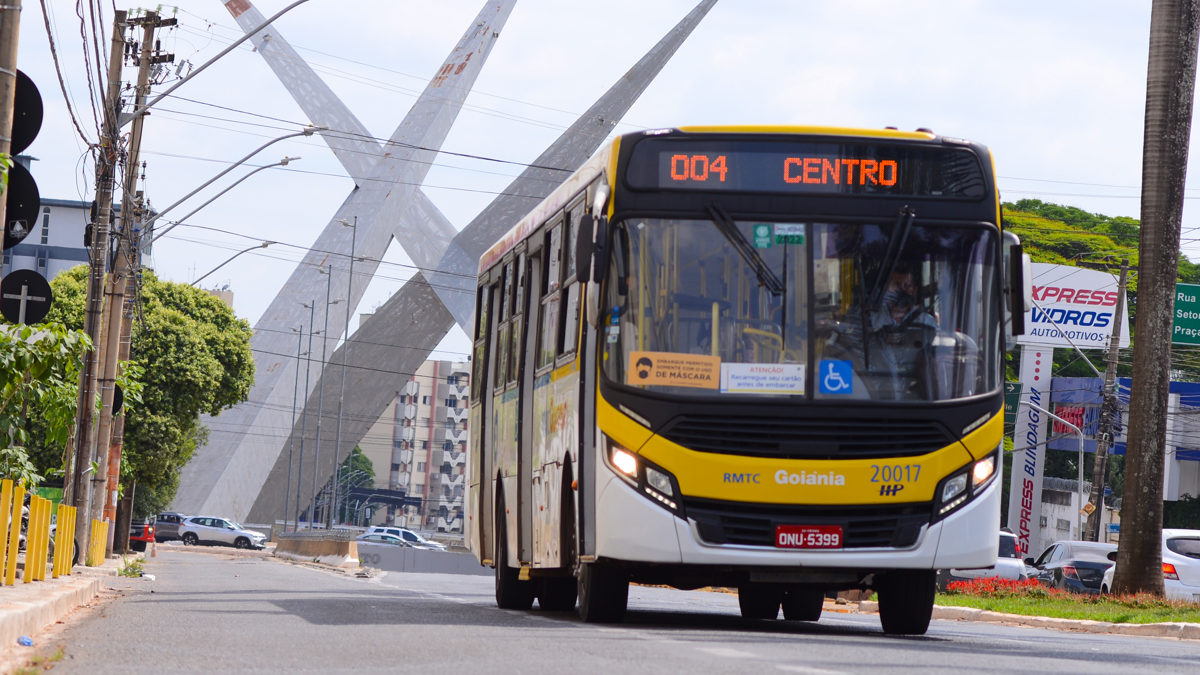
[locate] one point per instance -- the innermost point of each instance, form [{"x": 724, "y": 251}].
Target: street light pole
[
  {"x": 287, "y": 489},
  {"x": 252, "y": 248},
  {"x": 1079, "y": 486},
  {"x": 321, "y": 395},
  {"x": 304, "y": 418},
  {"x": 337, "y": 449},
  {"x": 308, "y": 131}
]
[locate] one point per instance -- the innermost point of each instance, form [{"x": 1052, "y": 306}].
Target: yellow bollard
[
  {"x": 6, "y": 489},
  {"x": 43, "y": 539},
  {"x": 96, "y": 545},
  {"x": 58, "y": 542},
  {"x": 31, "y": 541},
  {"x": 14, "y": 536},
  {"x": 43, "y": 536},
  {"x": 71, "y": 539}
]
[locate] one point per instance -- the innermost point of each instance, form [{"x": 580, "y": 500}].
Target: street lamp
[
  {"x": 304, "y": 416},
  {"x": 287, "y": 490},
  {"x": 337, "y": 448},
  {"x": 321, "y": 387},
  {"x": 1079, "y": 434},
  {"x": 252, "y": 248},
  {"x": 308, "y": 131}
]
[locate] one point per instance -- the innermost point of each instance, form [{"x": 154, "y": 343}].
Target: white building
[{"x": 419, "y": 444}]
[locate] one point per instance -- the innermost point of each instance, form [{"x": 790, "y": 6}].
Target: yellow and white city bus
[{"x": 767, "y": 358}]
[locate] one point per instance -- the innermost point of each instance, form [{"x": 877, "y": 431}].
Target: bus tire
[
  {"x": 511, "y": 592},
  {"x": 906, "y": 601},
  {"x": 759, "y": 601},
  {"x": 803, "y": 604},
  {"x": 603, "y": 593}
]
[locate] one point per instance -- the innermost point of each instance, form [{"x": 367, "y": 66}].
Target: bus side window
[
  {"x": 483, "y": 302},
  {"x": 568, "y": 332},
  {"x": 502, "y": 335},
  {"x": 518, "y": 321},
  {"x": 548, "y": 320}
]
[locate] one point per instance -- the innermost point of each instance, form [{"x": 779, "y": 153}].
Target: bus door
[
  {"x": 483, "y": 432},
  {"x": 528, "y": 276}
]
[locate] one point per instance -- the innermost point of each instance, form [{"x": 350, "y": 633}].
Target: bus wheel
[
  {"x": 803, "y": 604},
  {"x": 511, "y": 592},
  {"x": 557, "y": 594},
  {"x": 603, "y": 593},
  {"x": 906, "y": 601},
  {"x": 759, "y": 601}
]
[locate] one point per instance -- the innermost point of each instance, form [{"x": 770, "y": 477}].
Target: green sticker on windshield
[
  {"x": 789, "y": 233},
  {"x": 762, "y": 235}
]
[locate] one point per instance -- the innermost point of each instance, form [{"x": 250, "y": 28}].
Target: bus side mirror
[
  {"x": 1018, "y": 287},
  {"x": 590, "y": 257}
]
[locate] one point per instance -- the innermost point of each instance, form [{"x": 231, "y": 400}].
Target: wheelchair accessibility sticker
[{"x": 836, "y": 377}]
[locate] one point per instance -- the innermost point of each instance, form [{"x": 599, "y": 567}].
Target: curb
[
  {"x": 1178, "y": 630},
  {"x": 43, "y": 605}
]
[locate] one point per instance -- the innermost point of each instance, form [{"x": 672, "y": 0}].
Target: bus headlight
[
  {"x": 651, "y": 481},
  {"x": 963, "y": 485},
  {"x": 659, "y": 481},
  {"x": 624, "y": 462}
]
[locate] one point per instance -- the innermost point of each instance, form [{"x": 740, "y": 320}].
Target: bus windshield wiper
[
  {"x": 725, "y": 224},
  {"x": 891, "y": 257}
]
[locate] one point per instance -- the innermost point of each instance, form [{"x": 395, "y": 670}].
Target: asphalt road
[{"x": 216, "y": 613}]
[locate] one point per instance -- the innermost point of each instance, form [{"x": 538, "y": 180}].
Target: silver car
[
  {"x": 218, "y": 532},
  {"x": 414, "y": 539}
]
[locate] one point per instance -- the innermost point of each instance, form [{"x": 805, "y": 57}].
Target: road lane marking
[
  {"x": 806, "y": 670},
  {"x": 726, "y": 651}
]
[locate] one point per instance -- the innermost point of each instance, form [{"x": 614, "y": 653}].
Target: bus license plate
[{"x": 808, "y": 536}]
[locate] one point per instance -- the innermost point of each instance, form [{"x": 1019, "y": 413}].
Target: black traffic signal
[{"x": 21, "y": 198}]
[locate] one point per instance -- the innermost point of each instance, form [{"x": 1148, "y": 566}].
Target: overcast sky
[{"x": 1057, "y": 90}]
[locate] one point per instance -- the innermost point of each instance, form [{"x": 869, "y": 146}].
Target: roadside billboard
[{"x": 1072, "y": 305}]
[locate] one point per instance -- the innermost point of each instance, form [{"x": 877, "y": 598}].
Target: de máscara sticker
[{"x": 674, "y": 370}]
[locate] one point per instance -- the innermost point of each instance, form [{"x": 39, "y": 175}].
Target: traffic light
[{"x": 22, "y": 201}]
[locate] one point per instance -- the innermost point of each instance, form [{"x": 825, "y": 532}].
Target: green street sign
[
  {"x": 762, "y": 235},
  {"x": 1012, "y": 400},
  {"x": 1186, "y": 328}
]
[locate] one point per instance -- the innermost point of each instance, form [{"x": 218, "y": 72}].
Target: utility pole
[
  {"x": 10, "y": 30},
  {"x": 119, "y": 319},
  {"x": 1108, "y": 411},
  {"x": 80, "y": 486},
  {"x": 1170, "y": 85}
]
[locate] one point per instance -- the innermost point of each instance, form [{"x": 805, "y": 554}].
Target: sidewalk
[{"x": 26, "y": 609}]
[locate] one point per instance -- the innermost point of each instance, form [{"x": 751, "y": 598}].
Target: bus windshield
[{"x": 899, "y": 310}]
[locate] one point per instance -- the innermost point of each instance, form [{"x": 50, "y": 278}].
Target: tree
[
  {"x": 39, "y": 375},
  {"x": 1171, "y": 78},
  {"x": 196, "y": 358}
]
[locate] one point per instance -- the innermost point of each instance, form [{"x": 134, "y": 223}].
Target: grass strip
[{"x": 1070, "y": 608}]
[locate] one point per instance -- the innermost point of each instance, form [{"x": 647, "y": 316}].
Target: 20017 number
[{"x": 899, "y": 473}]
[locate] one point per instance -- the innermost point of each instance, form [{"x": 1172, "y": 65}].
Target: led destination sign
[{"x": 800, "y": 168}]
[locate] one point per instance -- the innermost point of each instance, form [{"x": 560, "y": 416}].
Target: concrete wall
[{"x": 399, "y": 559}]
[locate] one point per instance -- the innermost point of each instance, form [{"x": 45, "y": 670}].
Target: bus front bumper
[{"x": 632, "y": 529}]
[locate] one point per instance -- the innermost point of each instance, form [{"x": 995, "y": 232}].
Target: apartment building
[{"x": 428, "y": 460}]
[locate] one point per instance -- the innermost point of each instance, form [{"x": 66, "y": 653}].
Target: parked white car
[
  {"x": 1181, "y": 566},
  {"x": 1008, "y": 565},
  {"x": 218, "y": 532},
  {"x": 414, "y": 539}
]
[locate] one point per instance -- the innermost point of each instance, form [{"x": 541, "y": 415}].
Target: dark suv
[{"x": 166, "y": 526}]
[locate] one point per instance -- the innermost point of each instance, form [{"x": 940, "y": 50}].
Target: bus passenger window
[
  {"x": 570, "y": 320},
  {"x": 479, "y": 371},
  {"x": 518, "y": 322}
]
